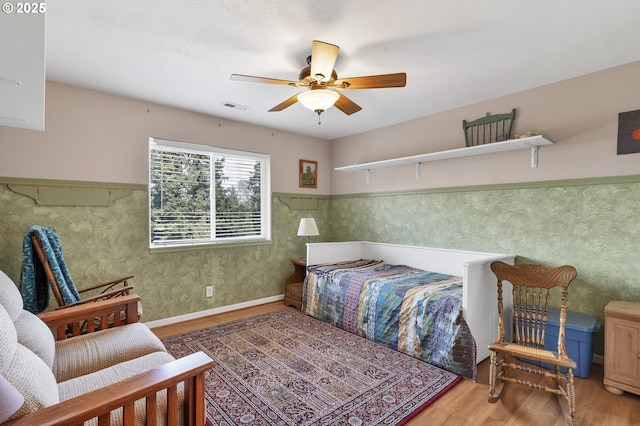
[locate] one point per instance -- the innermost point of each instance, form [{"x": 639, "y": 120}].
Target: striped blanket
[{"x": 414, "y": 311}]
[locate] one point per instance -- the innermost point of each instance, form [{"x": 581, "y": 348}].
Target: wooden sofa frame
[{"x": 122, "y": 395}]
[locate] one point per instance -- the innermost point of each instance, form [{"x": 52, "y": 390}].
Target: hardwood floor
[
  {"x": 196, "y": 324},
  {"x": 466, "y": 403}
]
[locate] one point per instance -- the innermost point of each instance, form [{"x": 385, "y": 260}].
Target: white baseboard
[
  {"x": 598, "y": 359},
  {"x": 213, "y": 311}
]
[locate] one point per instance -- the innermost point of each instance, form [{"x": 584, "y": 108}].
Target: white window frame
[{"x": 265, "y": 195}]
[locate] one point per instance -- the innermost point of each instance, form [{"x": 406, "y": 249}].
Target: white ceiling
[{"x": 455, "y": 52}]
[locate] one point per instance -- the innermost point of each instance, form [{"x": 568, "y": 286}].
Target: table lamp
[{"x": 308, "y": 228}]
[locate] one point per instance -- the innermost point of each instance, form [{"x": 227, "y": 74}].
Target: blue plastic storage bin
[{"x": 579, "y": 331}]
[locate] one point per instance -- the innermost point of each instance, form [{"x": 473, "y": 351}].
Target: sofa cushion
[
  {"x": 25, "y": 370},
  {"x": 91, "y": 352},
  {"x": 33, "y": 379},
  {"x": 8, "y": 340},
  {"x": 36, "y": 336},
  {"x": 89, "y": 382},
  {"x": 31, "y": 331},
  {"x": 116, "y": 373},
  {"x": 10, "y": 296}
]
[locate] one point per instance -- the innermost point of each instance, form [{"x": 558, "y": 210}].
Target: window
[{"x": 205, "y": 195}]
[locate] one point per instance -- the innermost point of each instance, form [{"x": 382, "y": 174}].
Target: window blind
[{"x": 200, "y": 194}]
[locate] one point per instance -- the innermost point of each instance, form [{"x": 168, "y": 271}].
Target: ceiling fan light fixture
[
  {"x": 323, "y": 83},
  {"x": 318, "y": 100}
]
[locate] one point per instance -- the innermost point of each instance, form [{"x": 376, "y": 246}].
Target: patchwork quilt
[{"x": 414, "y": 311}]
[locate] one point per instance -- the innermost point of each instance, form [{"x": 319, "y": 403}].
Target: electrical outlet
[{"x": 209, "y": 291}]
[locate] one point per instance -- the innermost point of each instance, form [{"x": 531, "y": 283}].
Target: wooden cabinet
[
  {"x": 622, "y": 347},
  {"x": 293, "y": 284}
]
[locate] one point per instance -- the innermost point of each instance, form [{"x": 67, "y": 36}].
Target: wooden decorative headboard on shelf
[{"x": 488, "y": 129}]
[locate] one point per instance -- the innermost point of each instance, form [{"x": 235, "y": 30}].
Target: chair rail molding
[{"x": 69, "y": 195}]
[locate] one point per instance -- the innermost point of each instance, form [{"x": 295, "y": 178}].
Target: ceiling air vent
[{"x": 235, "y": 106}]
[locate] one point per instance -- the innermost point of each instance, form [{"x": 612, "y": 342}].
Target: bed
[{"x": 464, "y": 274}]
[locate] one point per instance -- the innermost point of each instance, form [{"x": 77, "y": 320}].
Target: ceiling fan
[{"x": 321, "y": 80}]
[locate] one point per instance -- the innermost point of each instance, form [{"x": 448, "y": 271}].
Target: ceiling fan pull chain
[{"x": 319, "y": 111}]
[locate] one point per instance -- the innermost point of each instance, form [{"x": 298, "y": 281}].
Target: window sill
[{"x": 208, "y": 246}]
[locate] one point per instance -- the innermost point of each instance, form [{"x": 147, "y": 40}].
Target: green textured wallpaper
[
  {"x": 593, "y": 227},
  {"x": 104, "y": 243}
]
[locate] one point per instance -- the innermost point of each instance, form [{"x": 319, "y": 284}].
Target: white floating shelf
[{"x": 532, "y": 142}]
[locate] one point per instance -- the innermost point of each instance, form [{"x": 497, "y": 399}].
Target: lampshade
[
  {"x": 10, "y": 401},
  {"x": 307, "y": 227},
  {"x": 319, "y": 99}
]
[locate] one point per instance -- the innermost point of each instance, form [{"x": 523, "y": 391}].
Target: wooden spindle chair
[
  {"x": 488, "y": 129},
  {"x": 107, "y": 290},
  {"x": 532, "y": 290},
  {"x": 65, "y": 292}
]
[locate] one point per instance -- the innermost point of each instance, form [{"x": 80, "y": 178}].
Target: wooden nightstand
[
  {"x": 622, "y": 347},
  {"x": 293, "y": 284}
]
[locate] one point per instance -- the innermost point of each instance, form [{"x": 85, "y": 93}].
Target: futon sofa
[{"x": 83, "y": 363}]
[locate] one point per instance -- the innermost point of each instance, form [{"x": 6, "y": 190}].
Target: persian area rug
[{"x": 286, "y": 368}]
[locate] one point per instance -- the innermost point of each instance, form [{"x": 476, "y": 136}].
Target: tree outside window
[{"x": 186, "y": 209}]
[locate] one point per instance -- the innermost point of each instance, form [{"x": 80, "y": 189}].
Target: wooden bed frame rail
[{"x": 479, "y": 291}]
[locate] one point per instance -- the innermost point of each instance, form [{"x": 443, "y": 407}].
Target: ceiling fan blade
[
  {"x": 372, "y": 82},
  {"x": 253, "y": 79},
  {"x": 323, "y": 58},
  {"x": 292, "y": 100},
  {"x": 346, "y": 105}
]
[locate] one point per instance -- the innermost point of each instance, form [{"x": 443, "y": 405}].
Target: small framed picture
[
  {"x": 629, "y": 132},
  {"x": 308, "y": 174}
]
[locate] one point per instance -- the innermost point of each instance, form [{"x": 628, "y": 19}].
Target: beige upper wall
[
  {"x": 97, "y": 137},
  {"x": 93, "y": 136},
  {"x": 580, "y": 115}
]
